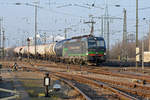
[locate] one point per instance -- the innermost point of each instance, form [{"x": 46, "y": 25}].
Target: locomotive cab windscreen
[{"x": 96, "y": 42}]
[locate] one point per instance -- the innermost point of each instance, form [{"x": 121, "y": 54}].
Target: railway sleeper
[
  {"x": 131, "y": 86},
  {"x": 87, "y": 81},
  {"x": 135, "y": 92}
]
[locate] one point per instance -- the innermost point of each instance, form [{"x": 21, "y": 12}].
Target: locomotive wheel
[
  {"x": 74, "y": 61},
  {"x": 80, "y": 61},
  {"x": 62, "y": 60},
  {"x": 77, "y": 61}
]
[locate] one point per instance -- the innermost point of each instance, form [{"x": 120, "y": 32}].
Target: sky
[{"x": 56, "y": 15}]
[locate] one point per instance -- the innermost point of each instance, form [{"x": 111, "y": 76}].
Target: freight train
[{"x": 76, "y": 50}]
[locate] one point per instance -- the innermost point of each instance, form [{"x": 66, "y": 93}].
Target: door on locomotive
[{"x": 96, "y": 49}]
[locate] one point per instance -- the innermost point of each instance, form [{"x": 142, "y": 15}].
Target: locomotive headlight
[
  {"x": 104, "y": 53},
  {"x": 87, "y": 53}
]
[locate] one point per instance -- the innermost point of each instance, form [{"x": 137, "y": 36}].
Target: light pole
[{"x": 35, "y": 31}]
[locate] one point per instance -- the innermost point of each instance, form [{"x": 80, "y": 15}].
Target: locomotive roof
[
  {"x": 78, "y": 37},
  {"x": 63, "y": 41}
]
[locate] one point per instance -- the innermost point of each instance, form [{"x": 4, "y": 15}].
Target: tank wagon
[{"x": 76, "y": 50}]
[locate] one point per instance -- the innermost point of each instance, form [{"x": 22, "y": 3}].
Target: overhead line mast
[
  {"x": 124, "y": 42},
  {"x": 137, "y": 48}
]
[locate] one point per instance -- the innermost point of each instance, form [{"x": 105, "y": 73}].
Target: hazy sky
[{"x": 56, "y": 15}]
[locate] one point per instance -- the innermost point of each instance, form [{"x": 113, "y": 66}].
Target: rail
[
  {"x": 75, "y": 88},
  {"x": 100, "y": 85},
  {"x": 84, "y": 80},
  {"x": 84, "y": 96}
]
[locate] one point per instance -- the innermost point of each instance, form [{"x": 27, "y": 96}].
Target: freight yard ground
[
  {"x": 30, "y": 86},
  {"x": 92, "y": 83}
]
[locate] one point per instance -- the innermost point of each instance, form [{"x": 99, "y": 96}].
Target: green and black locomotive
[{"x": 81, "y": 50}]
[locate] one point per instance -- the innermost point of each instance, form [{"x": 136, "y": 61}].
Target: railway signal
[{"x": 46, "y": 83}]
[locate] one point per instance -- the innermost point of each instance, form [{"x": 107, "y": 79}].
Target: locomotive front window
[
  {"x": 100, "y": 43},
  {"x": 91, "y": 43}
]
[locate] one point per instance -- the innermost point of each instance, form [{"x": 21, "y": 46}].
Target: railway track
[
  {"x": 96, "y": 70},
  {"x": 126, "y": 87},
  {"x": 83, "y": 80},
  {"x": 143, "y": 78},
  {"x": 79, "y": 92},
  {"x": 132, "y": 88},
  {"x": 84, "y": 96},
  {"x": 99, "y": 84}
]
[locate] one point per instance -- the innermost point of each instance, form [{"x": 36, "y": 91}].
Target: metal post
[
  {"x": 102, "y": 24},
  {"x": 149, "y": 37},
  {"x": 45, "y": 38},
  {"x": 92, "y": 28},
  {"x": 49, "y": 3},
  {"x": 106, "y": 27},
  {"x": 65, "y": 33},
  {"x": 28, "y": 50},
  {"x": 0, "y": 31},
  {"x": 136, "y": 30},
  {"x": 35, "y": 30},
  {"x": 28, "y": 40},
  {"x": 53, "y": 37},
  {"x": 3, "y": 44},
  {"x": 108, "y": 39},
  {"x": 106, "y": 18},
  {"x": 143, "y": 53},
  {"x": 45, "y": 44},
  {"x": 0, "y": 37},
  {"x": 125, "y": 37}
]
